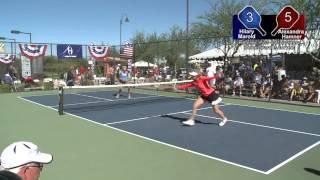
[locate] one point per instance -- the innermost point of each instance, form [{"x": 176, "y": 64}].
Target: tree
[
  {"x": 311, "y": 11},
  {"x": 169, "y": 46}
]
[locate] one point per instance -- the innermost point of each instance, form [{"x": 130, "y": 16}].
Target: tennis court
[{"x": 256, "y": 139}]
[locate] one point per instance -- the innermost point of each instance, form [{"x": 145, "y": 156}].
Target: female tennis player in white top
[{"x": 123, "y": 77}]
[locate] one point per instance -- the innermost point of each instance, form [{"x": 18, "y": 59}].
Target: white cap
[
  {"x": 193, "y": 73},
  {"x": 21, "y": 153}
]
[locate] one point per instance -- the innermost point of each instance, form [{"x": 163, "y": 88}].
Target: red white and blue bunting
[
  {"x": 99, "y": 52},
  {"x": 32, "y": 50},
  {"x": 7, "y": 58}
]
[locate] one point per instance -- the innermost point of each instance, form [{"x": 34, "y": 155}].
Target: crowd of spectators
[
  {"x": 255, "y": 80},
  {"x": 77, "y": 75}
]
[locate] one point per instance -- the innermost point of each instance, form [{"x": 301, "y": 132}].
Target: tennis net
[{"x": 100, "y": 97}]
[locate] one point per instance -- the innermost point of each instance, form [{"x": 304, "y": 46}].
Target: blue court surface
[{"x": 257, "y": 139}]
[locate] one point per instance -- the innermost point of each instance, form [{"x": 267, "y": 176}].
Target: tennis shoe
[
  {"x": 189, "y": 122},
  {"x": 129, "y": 96},
  {"x": 118, "y": 96},
  {"x": 223, "y": 122}
]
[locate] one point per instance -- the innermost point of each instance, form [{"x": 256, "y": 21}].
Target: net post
[{"x": 61, "y": 94}]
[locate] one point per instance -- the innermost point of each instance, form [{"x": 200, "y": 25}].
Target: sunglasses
[{"x": 40, "y": 166}]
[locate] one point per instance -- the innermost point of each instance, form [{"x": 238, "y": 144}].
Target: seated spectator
[
  {"x": 257, "y": 82},
  {"x": 227, "y": 84},
  {"x": 266, "y": 86},
  {"x": 24, "y": 159},
  {"x": 276, "y": 87},
  {"x": 238, "y": 83},
  {"x": 311, "y": 95},
  {"x": 297, "y": 92},
  {"x": 284, "y": 83},
  {"x": 248, "y": 81},
  {"x": 220, "y": 86}
]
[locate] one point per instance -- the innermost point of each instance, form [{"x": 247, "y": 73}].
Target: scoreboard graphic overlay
[{"x": 288, "y": 24}]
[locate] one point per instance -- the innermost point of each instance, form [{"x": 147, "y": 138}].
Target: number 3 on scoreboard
[{"x": 250, "y": 18}]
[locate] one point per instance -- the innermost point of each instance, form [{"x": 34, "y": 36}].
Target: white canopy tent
[
  {"x": 212, "y": 53},
  {"x": 143, "y": 64},
  {"x": 243, "y": 50},
  {"x": 194, "y": 61}
]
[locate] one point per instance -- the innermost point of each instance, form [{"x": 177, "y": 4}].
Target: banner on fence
[{"x": 66, "y": 51}]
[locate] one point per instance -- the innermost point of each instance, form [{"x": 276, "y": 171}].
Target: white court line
[
  {"x": 148, "y": 117},
  {"x": 186, "y": 150},
  {"x": 92, "y": 97},
  {"x": 156, "y": 141},
  {"x": 275, "y": 109},
  {"x": 293, "y": 157},
  {"x": 30, "y": 101},
  {"x": 172, "y": 146},
  {"x": 264, "y": 126}
]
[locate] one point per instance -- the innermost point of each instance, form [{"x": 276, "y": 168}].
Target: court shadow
[
  {"x": 313, "y": 171},
  {"x": 184, "y": 119}
]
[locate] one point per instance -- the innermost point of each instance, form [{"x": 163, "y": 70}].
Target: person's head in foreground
[
  {"x": 24, "y": 159},
  {"x": 194, "y": 75}
]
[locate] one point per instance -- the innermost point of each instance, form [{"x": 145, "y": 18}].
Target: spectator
[
  {"x": 280, "y": 72},
  {"x": 276, "y": 87},
  {"x": 198, "y": 68},
  {"x": 284, "y": 83},
  {"x": 248, "y": 82},
  {"x": 13, "y": 72},
  {"x": 70, "y": 77},
  {"x": 238, "y": 83},
  {"x": 7, "y": 79},
  {"x": 297, "y": 92},
  {"x": 24, "y": 159},
  {"x": 257, "y": 82},
  {"x": 112, "y": 74},
  {"x": 219, "y": 72},
  {"x": 225, "y": 84},
  {"x": 255, "y": 66},
  {"x": 211, "y": 70},
  {"x": 311, "y": 95},
  {"x": 266, "y": 86}
]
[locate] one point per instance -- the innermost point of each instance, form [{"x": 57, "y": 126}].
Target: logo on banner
[
  {"x": 98, "y": 52},
  {"x": 69, "y": 51},
  {"x": 32, "y": 51},
  {"x": 288, "y": 24}
]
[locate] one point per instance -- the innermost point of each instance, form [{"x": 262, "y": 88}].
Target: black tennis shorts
[
  {"x": 213, "y": 98},
  {"x": 122, "y": 82}
]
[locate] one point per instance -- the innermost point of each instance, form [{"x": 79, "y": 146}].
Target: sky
[{"x": 97, "y": 21}]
